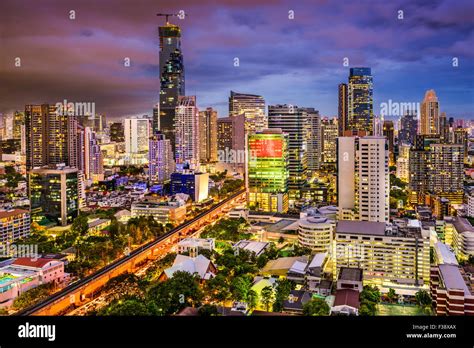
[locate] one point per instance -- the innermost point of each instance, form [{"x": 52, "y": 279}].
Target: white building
[
  {"x": 470, "y": 205},
  {"x": 187, "y": 131},
  {"x": 363, "y": 178},
  {"x": 196, "y": 243},
  {"x": 160, "y": 157},
  {"x": 137, "y": 133},
  {"x": 316, "y": 233}
]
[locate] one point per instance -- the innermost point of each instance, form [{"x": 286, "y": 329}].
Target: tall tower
[
  {"x": 342, "y": 108},
  {"x": 314, "y": 141},
  {"x": 171, "y": 79},
  {"x": 161, "y": 161},
  {"x": 360, "y": 100},
  {"x": 252, "y": 106},
  {"x": 187, "y": 131},
  {"x": 363, "y": 178},
  {"x": 430, "y": 114},
  {"x": 208, "y": 135}
]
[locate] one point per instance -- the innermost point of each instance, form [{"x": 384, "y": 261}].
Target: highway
[{"x": 78, "y": 293}]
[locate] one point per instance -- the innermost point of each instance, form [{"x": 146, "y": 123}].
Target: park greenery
[
  {"x": 33, "y": 296},
  {"x": 316, "y": 307},
  {"x": 369, "y": 298}
]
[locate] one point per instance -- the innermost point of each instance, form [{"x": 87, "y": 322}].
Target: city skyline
[{"x": 284, "y": 60}]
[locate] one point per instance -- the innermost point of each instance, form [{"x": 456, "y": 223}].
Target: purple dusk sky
[{"x": 296, "y": 61}]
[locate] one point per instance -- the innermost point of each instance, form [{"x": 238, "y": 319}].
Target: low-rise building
[
  {"x": 187, "y": 244},
  {"x": 257, "y": 248},
  {"x": 161, "y": 212},
  {"x": 459, "y": 234},
  {"x": 26, "y": 273},
  {"x": 199, "y": 265},
  {"x": 346, "y": 302},
  {"x": 316, "y": 233},
  {"x": 14, "y": 224},
  {"x": 350, "y": 278}
]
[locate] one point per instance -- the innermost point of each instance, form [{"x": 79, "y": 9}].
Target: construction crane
[{"x": 181, "y": 14}]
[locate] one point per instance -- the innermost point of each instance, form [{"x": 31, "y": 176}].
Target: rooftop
[
  {"x": 352, "y": 274},
  {"x": 452, "y": 278},
  {"x": 361, "y": 227},
  {"x": 347, "y": 297},
  {"x": 13, "y": 212}
]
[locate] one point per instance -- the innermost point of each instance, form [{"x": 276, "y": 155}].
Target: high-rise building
[
  {"x": 93, "y": 160},
  {"x": 268, "y": 171},
  {"x": 54, "y": 194},
  {"x": 231, "y": 143},
  {"x": 293, "y": 121},
  {"x": 314, "y": 141},
  {"x": 429, "y": 122},
  {"x": 360, "y": 100},
  {"x": 161, "y": 159},
  {"x": 403, "y": 162},
  {"x": 329, "y": 133},
  {"x": 51, "y": 137},
  {"x": 460, "y": 136},
  {"x": 342, "y": 108},
  {"x": 363, "y": 184},
  {"x": 388, "y": 132},
  {"x": 171, "y": 79},
  {"x": 187, "y": 131},
  {"x": 437, "y": 169},
  {"x": 18, "y": 123},
  {"x": 117, "y": 132},
  {"x": 252, "y": 106},
  {"x": 137, "y": 133},
  {"x": 394, "y": 255},
  {"x": 408, "y": 128},
  {"x": 208, "y": 135}
]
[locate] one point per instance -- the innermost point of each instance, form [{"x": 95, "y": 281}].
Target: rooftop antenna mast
[{"x": 180, "y": 15}]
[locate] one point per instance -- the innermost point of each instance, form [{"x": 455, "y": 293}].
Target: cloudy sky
[{"x": 296, "y": 61}]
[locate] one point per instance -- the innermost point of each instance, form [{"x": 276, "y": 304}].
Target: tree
[
  {"x": 316, "y": 307},
  {"x": 126, "y": 307},
  {"x": 208, "y": 310},
  {"x": 392, "y": 295},
  {"x": 423, "y": 298},
  {"x": 252, "y": 299},
  {"x": 283, "y": 290},
  {"x": 267, "y": 297},
  {"x": 370, "y": 294},
  {"x": 240, "y": 288}
]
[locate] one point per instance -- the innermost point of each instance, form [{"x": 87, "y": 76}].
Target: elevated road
[{"x": 83, "y": 290}]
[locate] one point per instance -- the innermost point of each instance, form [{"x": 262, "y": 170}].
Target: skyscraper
[
  {"x": 18, "y": 123},
  {"x": 408, "y": 128},
  {"x": 293, "y": 121},
  {"x": 161, "y": 161},
  {"x": 187, "y": 131},
  {"x": 171, "y": 79},
  {"x": 117, "y": 132},
  {"x": 363, "y": 184},
  {"x": 342, "y": 108},
  {"x": 252, "y": 106},
  {"x": 51, "y": 137},
  {"x": 231, "y": 143},
  {"x": 208, "y": 135},
  {"x": 137, "y": 133},
  {"x": 314, "y": 140},
  {"x": 329, "y": 131},
  {"x": 388, "y": 131},
  {"x": 267, "y": 171},
  {"x": 360, "y": 100},
  {"x": 93, "y": 160},
  {"x": 429, "y": 122}
]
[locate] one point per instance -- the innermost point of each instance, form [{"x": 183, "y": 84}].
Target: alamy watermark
[
  {"x": 235, "y": 156},
  {"x": 19, "y": 250},
  {"x": 75, "y": 109},
  {"x": 392, "y": 108}
]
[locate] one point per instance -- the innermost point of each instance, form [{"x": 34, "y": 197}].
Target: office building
[
  {"x": 388, "y": 132},
  {"x": 93, "y": 159},
  {"x": 316, "y": 233},
  {"x": 137, "y": 133},
  {"x": 268, "y": 171},
  {"x": 314, "y": 141},
  {"x": 393, "y": 256},
  {"x": 117, "y": 133},
  {"x": 161, "y": 160},
  {"x": 459, "y": 235},
  {"x": 187, "y": 132},
  {"x": 171, "y": 80},
  {"x": 408, "y": 128},
  {"x": 293, "y": 121},
  {"x": 429, "y": 113},
  {"x": 363, "y": 184},
  {"x": 162, "y": 212},
  {"x": 54, "y": 194},
  {"x": 231, "y": 143},
  {"x": 194, "y": 184},
  {"x": 403, "y": 162},
  {"x": 252, "y": 106},
  {"x": 14, "y": 225},
  {"x": 329, "y": 134},
  {"x": 208, "y": 135},
  {"x": 51, "y": 137},
  {"x": 18, "y": 124},
  {"x": 343, "y": 108},
  {"x": 360, "y": 100}
]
